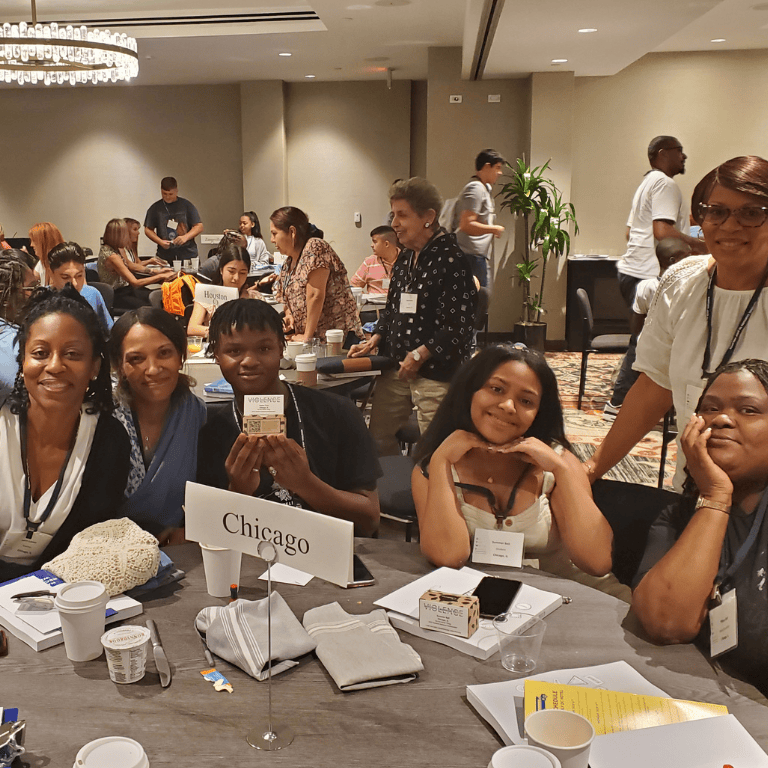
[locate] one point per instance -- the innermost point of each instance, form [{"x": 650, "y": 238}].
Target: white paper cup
[
  {"x": 176, "y": 265},
  {"x": 523, "y": 756},
  {"x": 195, "y": 263},
  {"x": 112, "y": 752},
  {"x": 126, "y": 649},
  {"x": 519, "y": 649},
  {"x": 293, "y": 348},
  {"x": 335, "y": 339},
  {"x": 82, "y": 608},
  {"x": 222, "y": 569},
  {"x": 567, "y": 735},
  {"x": 306, "y": 365},
  {"x": 357, "y": 293}
]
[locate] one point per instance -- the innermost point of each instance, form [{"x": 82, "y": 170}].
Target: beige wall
[
  {"x": 457, "y": 132},
  {"x": 346, "y": 142},
  {"x": 716, "y": 103},
  {"x": 81, "y": 156}
]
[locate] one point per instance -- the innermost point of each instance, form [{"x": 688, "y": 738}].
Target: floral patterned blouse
[{"x": 339, "y": 308}]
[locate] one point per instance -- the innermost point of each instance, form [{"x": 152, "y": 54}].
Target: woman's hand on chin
[
  {"x": 532, "y": 450},
  {"x": 457, "y": 444},
  {"x": 711, "y": 480}
]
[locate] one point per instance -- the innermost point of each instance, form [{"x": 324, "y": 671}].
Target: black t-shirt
[
  {"x": 185, "y": 215},
  {"x": 338, "y": 445},
  {"x": 749, "y": 659},
  {"x": 445, "y": 312}
]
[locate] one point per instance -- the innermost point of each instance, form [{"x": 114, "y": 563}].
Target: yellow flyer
[{"x": 612, "y": 711}]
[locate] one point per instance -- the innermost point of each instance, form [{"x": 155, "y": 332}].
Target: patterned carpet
[{"x": 586, "y": 428}]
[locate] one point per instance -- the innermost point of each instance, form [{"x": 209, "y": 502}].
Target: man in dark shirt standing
[{"x": 173, "y": 223}]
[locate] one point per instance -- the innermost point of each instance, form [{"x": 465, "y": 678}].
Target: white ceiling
[{"x": 359, "y": 39}]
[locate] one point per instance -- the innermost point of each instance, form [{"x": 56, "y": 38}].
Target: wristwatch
[
  {"x": 703, "y": 501},
  {"x": 416, "y": 355}
]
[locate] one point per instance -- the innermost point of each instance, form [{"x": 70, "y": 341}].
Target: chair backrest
[
  {"x": 630, "y": 508},
  {"x": 107, "y": 293},
  {"x": 585, "y": 310}
]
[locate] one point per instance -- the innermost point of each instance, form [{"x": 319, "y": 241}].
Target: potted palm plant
[{"x": 533, "y": 197}]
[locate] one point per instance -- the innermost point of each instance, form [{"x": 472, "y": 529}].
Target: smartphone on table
[
  {"x": 361, "y": 576},
  {"x": 496, "y": 595}
]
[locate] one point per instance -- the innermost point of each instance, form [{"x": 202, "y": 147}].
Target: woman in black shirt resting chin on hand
[
  {"x": 717, "y": 535},
  {"x": 325, "y": 462}
]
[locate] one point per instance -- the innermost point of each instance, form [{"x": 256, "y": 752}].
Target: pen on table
[
  {"x": 208, "y": 657},
  {"x": 233, "y": 593}
]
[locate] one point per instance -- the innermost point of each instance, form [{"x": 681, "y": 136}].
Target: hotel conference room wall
[
  {"x": 716, "y": 103},
  {"x": 80, "y": 156}
]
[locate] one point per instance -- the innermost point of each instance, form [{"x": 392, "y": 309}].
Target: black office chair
[
  {"x": 408, "y": 435},
  {"x": 617, "y": 342},
  {"x": 629, "y": 508},
  {"x": 107, "y": 293},
  {"x": 395, "y": 499}
]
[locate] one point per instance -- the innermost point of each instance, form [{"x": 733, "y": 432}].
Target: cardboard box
[
  {"x": 453, "y": 614},
  {"x": 264, "y": 425}
]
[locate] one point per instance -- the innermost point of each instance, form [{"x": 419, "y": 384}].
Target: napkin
[
  {"x": 238, "y": 634},
  {"x": 360, "y": 651}
]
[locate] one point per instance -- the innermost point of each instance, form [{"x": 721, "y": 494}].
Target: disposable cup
[
  {"x": 293, "y": 348},
  {"x": 82, "y": 609},
  {"x": 358, "y": 295},
  {"x": 222, "y": 569},
  {"x": 177, "y": 265},
  {"x": 112, "y": 752},
  {"x": 306, "y": 365},
  {"x": 126, "y": 650},
  {"x": 523, "y": 756},
  {"x": 195, "y": 263},
  {"x": 520, "y": 636},
  {"x": 194, "y": 344},
  {"x": 567, "y": 735},
  {"x": 335, "y": 339}
]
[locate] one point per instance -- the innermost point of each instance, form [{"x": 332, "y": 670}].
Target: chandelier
[{"x": 53, "y": 54}]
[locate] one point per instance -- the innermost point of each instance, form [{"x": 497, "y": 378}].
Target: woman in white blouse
[
  {"x": 251, "y": 239},
  {"x": 707, "y": 311}
]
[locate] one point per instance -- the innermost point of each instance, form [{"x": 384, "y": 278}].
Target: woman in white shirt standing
[
  {"x": 707, "y": 311},
  {"x": 252, "y": 240}
]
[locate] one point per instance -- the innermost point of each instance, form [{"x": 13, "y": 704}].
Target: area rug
[{"x": 587, "y": 428}]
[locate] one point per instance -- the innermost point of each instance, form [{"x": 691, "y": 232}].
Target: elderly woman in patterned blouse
[
  {"x": 427, "y": 324},
  {"x": 313, "y": 283}
]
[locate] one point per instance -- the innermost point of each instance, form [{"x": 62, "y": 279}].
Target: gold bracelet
[{"x": 703, "y": 501}]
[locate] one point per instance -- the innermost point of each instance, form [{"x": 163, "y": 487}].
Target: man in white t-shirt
[{"x": 658, "y": 212}]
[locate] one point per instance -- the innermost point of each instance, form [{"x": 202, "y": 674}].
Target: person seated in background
[
  {"x": 4, "y": 244},
  {"x": 669, "y": 251},
  {"x": 234, "y": 265},
  {"x": 374, "y": 273},
  {"x": 713, "y": 542},
  {"x": 248, "y": 235},
  {"x": 17, "y": 280},
  {"x": 43, "y": 237},
  {"x": 130, "y": 291},
  {"x": 65, "y": 457},
  {"x": 132, "y": 260},
  {"x": 495, "y": 456},
  {"x": 326, "y": 460},
  {"x": 161, "y": 416},
  {"x": 313, "y": 283},
  {"x": 67, "y": 262}
]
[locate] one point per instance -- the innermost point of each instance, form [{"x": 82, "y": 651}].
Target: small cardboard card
[
  {"x": 264, "y": 405},
  {"x": 264, "y": 425},
  {"x": 312, "y": 542},
  {"x": 215, "y": 295},
  {"x": 453, "y": 614}
]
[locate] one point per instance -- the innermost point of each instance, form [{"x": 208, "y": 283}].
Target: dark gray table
[{"x": 423, "y": 723}]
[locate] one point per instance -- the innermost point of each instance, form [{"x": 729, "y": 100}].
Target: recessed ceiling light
[
  {"x": 309, "y": 77},
  {"x": 587, "y": 30},
  {"x": 559, "y": 61},
  {"x": 285, "y": 53},
  {"x": 718, "y": 40}
]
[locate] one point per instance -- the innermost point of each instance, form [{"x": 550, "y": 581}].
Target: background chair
[
  {"x": 629, "y": 508},
  {"x": 606, "y": 343},
  {"x": 107, "y": 293},
  {"x": 395, "y": 499}
]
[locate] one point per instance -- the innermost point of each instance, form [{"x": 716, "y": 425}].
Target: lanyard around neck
[
  {"x": 32, "y": 527},
  {"x": 705, "y": 372},
  {"x": 724, "y": 574}
]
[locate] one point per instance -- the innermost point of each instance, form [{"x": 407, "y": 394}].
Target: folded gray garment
[
  {"x": 238, "y": 634},
  {"x": 360, "y": 651}
]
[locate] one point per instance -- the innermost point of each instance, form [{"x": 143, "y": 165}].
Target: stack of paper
[{"x": 403, "y": 608}]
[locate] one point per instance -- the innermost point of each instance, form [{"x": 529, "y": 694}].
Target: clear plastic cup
[
  {"x": 126, "y": 649},
  {"x": 520, "y": 636},
  {"x": 82, "y": 608}
]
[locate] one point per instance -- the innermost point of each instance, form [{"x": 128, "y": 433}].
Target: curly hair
[
  {"x": 13, "y": 268},
  {"x": 454, "y": 411},
  {"x": 67, "y": 301}
]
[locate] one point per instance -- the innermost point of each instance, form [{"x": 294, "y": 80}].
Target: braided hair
[
  {"x": 67, "y": 301},
  {"x": 13, "y": 267}
]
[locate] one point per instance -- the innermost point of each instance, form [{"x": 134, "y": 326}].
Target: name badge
[
  {"x": 723, "y": 626},
  {"x": 17, "y": 545},
  {"x": 408, "y": 303},
  {"x": 693, "y": 394},
  {"x": 385, "y": 283},
  {"x": 498, "y": 547},
  {"x": 172, "y": 224}
]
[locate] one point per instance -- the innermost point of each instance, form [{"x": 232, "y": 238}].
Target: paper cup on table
[
  {"x": 520, "y": 636},
  {"x": 126, "y": 649},
  {"x": 82, "y": 608},
  {"x": 567, "y": 735},
  {"x": 335, "y": 339},
  {"x": 222, "y": 569},
  {"x": 112, "y": 752},
  {"x": 306, "y": 365},
  {"x": 293, "y": 348},
  {"x": 176, "y": 265},
  {"x": 195, "y": 263},
  {"x": 523, "y": 756}
]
